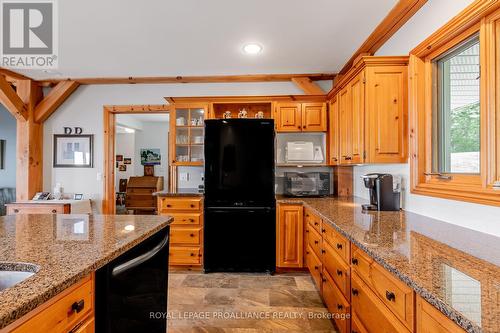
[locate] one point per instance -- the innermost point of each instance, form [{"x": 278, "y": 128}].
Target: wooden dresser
[
  {"x": 186, "y": 231},
  {"x": 139, "y": 197},
  {"x": 50, "y": 207}
]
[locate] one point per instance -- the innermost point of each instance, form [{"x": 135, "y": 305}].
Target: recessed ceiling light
[{"x": 252, "y": 48}]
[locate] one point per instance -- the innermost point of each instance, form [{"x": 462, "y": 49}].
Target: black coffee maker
[{"x": 382, "y": 194}]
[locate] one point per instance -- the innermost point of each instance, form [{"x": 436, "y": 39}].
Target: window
[
  {"x": 456, "y": 119},
  {"x": 454, "y": 108}
]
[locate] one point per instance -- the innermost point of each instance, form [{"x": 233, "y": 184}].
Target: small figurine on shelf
[
  {"x": 227, "y": 115},
  {"x": 243, "y": 113},
  {"x": 259, "y": 115}
]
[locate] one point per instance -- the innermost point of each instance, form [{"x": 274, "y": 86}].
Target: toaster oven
[{"x": 307, "y": 184}]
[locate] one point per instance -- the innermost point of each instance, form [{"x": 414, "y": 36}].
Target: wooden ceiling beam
[
  {"x": 12, "y": 76},
  {"x": 11, "y": 101},
  {"x": 307, "y": 85},
  {"x": 54, "y": 99},
  {"x": 195, "y": 79}
]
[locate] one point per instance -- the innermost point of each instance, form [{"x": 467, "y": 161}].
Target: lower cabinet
[
  {"x": 336, "y": 302},
  {"x": 314, "y": 265},
  {"x": 430, "y": 320},
  {"x": 186, "y": 230},
  {"x": 290, "y": 233}
]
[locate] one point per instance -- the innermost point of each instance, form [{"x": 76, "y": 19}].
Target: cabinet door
[
  {"x": 431, "y": 320},
  {"x": 289, "y": 117},
  {"x": 357, "y": 109},
  {"x": 314, "y": 117},
  {"x": 387, "y": 114},
  {"x": 290, "y": 236},
  {"x": 345, "y": 126},
  {"x": 333, "y": 132}
]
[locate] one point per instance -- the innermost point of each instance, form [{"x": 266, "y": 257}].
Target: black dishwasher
[{"x": 131, "y": 291}]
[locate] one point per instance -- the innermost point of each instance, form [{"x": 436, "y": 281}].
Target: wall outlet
[
  {"x": 99, "y": 177},
  {"x": 184, "y": 176}
]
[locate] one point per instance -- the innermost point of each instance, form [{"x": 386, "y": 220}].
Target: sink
[{"x": 11, "y": 273}]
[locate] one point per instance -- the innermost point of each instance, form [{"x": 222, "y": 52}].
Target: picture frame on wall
[
  {"x": 2, "y": 154},
  {"x": 127, "y": 160},
  {"x": 122, "y": 167},
  {"x": 73, "y": 151},
  {"x": 149, "y": 170},
  {"x": 119, "y": 158}
]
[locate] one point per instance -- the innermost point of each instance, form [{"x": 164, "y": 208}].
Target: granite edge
[{"x": 32, "y": 303}]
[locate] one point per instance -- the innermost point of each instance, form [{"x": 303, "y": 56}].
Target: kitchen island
[{"x": 63, "y": 251}]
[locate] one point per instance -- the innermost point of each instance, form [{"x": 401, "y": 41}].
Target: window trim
[{"x": 481, "y": 17}]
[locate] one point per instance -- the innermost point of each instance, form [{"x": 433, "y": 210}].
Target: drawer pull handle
[
  {"x": 354, "y": 261},
  {"x": 316, "y": 242},
  {"x": 355, "y": 292},
  {"x": 307, "y": 230},
  {"x": 316, "y": 267},
  {"x": 323, "y": 231},
  {"x": 191, "y": 235},
  {"x": 192, "y": 254},
  {"x": 339, "y": 246},
  {"x": 191, "y": 220},
  {"x": 323, "y": 279},
  {"x": 16, "y": 210},
  {"x": 307, "y": 252},
  {"x": 169, "y": 206},
  {"x": 390, "y": 296},
  {"x": 191, "y": 205},
  {"x": 323, "y": 251},
  {"x": 77, "y": 306},
  {"x": 316, "y": 223},
  {"x": 54, "y": 211},
  {"x": 339, "y": 272},
  {"x": 339, "y": 307}
]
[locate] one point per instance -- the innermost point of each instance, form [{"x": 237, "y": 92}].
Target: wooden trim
[
  {"x": 471, "y": 188},
  {"x": 11, "y": 76},
  {"x": 397, "y": 17},
  {"x": 109, "y": 122},
  {"x": 54, "y": 99},
  {"x": 246, "y": 99},
  {"x": 308, "y": 86},
  {"x": 195, "y": 79},
  {"x": 11, "y": 100}
]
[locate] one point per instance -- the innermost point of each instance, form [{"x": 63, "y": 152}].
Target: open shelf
[{"x": 252, "y": 109}]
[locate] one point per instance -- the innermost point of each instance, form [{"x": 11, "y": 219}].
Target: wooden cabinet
[
  {"x": 186, "y": 231},
  {"x": 301, "y": 117},
  {"x": 73, "y": 309},
  {"x": 372, "y": 115},
  {"x": 290, "y": 236},
  {"x": 336, "y": 303},
  {"x": 140, "y": 191},
  {"x": 369, "y": 310},
  {"x": 386, "y": 114},
  {"x": 313, "y": 263},
  {"x": 430, "y": 320},
  {"x": 339, "y": 271},
  {"x": 37, "y": 208},
  {"x": 333, "y": 132}
]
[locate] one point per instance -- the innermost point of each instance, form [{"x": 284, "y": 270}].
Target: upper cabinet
[
  {"x": 372, "y": 109},
  {"x": 301, "y": 117},
  {"x": 333, "y": 132}
]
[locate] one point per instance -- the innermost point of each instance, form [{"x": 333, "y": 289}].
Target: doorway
[
  {"x": 8, "y": 139},
  {"x": 135, "y": 158}
]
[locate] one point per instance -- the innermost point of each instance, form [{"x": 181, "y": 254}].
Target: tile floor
[{"x": 245, "y": 303}]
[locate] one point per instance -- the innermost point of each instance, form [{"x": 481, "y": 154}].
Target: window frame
[{"x": 483, "y": 18}]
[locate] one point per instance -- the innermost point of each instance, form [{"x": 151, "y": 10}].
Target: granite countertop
[
  {"x": 183, "y": 192},
  {"x": 454, "y": 268},
  {"x": 64, "y": 249}
]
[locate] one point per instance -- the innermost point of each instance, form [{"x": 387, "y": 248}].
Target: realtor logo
[{"x": 29, "y": 36}]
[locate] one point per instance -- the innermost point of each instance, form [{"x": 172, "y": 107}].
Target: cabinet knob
[
  {"x": 390, "y": 295},
  {"x": 323, "y": 231},
  {"x": 169, "y": 206},
  {"x": 354, "y": 292},
  {"x": 77, "y": 306},
  {"x": 191, "y": 205},
  {"x": 316, "y": 242},
  {"x": 316, "y": 223},
  {"x": 316, "y": 267},
  {"x": 340, "y": 306},
  {"x": 334, "y": 159},
  {"x": 339, "y": 246},
  {"x": 192, "y": 254},
  {"x": 323, "y": 279},
  {"x": 323, "y": 251},
  {"x": 191, "y": 220},
  {"x": 16, "y": 210},
  {"x": 354, "y": 261},
  {"x": 54, "y": 211},
  {"x": 192, "y": 235},
  {"x": 307, "y": 230},
  {"x": 339, "y": 272}
]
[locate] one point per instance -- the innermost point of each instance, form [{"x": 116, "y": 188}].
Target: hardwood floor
[{"x": 245, "y": 303}]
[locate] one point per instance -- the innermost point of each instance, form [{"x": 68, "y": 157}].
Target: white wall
[
  {"x": 8, "y": 132},
  {"x": 84, "y": 109},
  {"x": 433, "y": 15}
]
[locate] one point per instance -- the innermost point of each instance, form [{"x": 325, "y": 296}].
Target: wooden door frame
[{"x": 109, "y": 113}]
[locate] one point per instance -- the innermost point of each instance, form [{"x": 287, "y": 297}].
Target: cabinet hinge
[
  {"x": 364, "y": 154},
  {"x": 364, "y": 80}
]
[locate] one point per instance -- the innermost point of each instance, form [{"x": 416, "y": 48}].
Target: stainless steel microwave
[{"x": 307, "y": 184}]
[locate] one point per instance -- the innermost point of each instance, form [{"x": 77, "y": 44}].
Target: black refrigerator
[{"x": 240, "y": 204}]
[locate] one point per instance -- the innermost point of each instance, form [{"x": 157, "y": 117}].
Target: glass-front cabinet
[{"x": 187, "y": 134}]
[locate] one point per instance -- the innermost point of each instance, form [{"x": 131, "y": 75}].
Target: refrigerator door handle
[{"x": 139, "y": 259}]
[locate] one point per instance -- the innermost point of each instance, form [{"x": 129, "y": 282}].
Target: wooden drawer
[
  {"x": 186, "y": 218},
  {"x": 339, "y": 271},
  {"x": 398, "y": 297},
  {"x": 184, "y": 255},
  {"x": 314, "y": 240},
  {"x": 185, "y": 236},
  {"x": 13, "y": 209},
  {"x": 314, "y": 265},
  {"x": 338, "y": 242},
  {"x": 168, "y": 204},
  {"x": 431, "y": 320},
  {"x": 58, "y": 316},
  {"x": 356, "y": 326},
  {"x": 336, "y": 303},
  {"x": 370, "y": 311},
  {"x": 137, "y": 190},
  {"x": 87, "y": 327},
  {"x": 312, "y": 219}
]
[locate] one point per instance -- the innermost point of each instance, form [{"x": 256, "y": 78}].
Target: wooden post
[{"x": 29, "y": 174}]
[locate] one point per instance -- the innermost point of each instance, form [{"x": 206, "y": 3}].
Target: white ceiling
[{"x": 199, "y": 37}]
